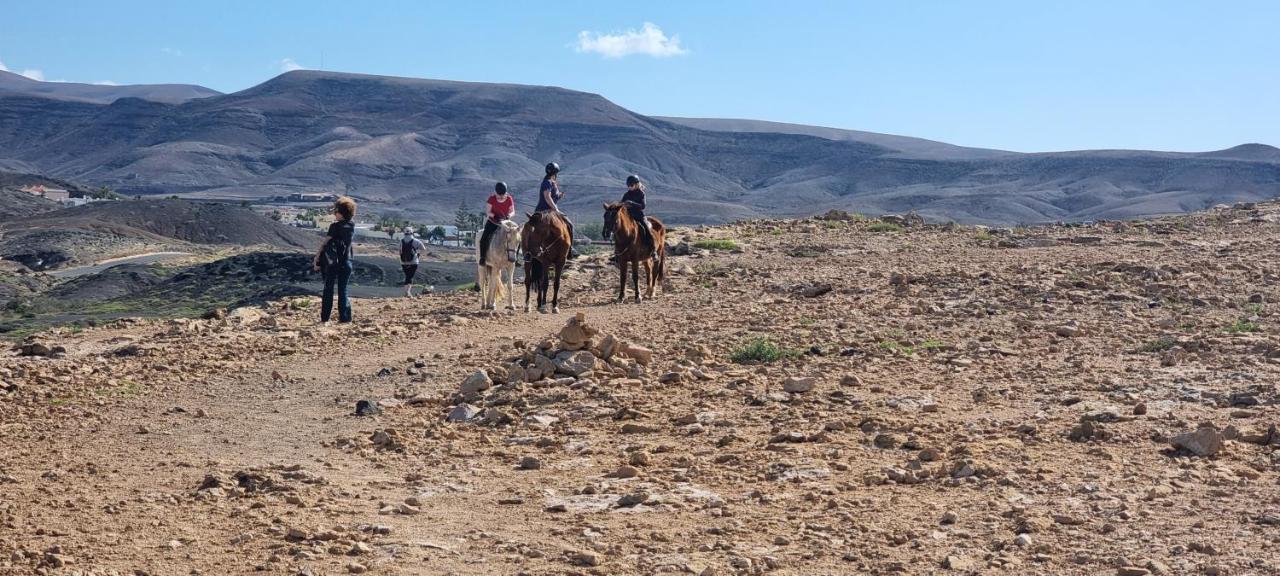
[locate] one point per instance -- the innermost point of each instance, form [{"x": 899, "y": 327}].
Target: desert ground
[{"x": 820, "y": 396}]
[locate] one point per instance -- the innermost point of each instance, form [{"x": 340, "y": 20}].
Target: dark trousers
[
  {"x": 645, "y": 231},
  {"x": 339, "y": 274},
  {"x": 485, "y": 237},
  {"x": 410, "y": 270}
]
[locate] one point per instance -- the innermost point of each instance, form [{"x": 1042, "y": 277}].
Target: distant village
[
  {"x": 311, "y": 211},
  {"x": 60, "y": 195}
]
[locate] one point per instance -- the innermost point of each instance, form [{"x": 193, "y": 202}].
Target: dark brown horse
[
  {"x": 545, "y": 243},
  {"x": 630, "y": 247}
]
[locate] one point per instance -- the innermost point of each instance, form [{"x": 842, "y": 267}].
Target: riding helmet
[
  {"x": 552, "y": 168},
  {"x": 632, "y": 180},
  {"x": 500, "y": 188}
]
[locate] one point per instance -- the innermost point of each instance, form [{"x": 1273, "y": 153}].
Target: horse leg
[
  {"x": 480, "y": 284},
  {"x": 494, "y": 282},
  {"x": 622, "y": 282},
  {"x": 648, "y": 279},
  {"x": 635, "y": 280},
  {"x": 511, "y": 286},
  {"x": 529, "y": 279},
  {"x": 542, "y": 289},
  {"x": 555, "y": 297}
]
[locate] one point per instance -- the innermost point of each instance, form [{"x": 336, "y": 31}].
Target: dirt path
[{"x": 147, "y": 258}]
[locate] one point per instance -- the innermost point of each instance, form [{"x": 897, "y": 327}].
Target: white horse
[{"x": 501, "y": 258}]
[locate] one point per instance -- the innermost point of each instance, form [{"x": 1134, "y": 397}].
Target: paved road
[{"x": 149, "y": 258}]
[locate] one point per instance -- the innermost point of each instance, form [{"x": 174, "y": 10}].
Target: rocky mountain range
[{"x": 421, "y": 147}]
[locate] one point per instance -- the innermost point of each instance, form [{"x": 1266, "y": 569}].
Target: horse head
[
  {"x": 610, "y": 220},
  {"x": 512, "y": 235}
]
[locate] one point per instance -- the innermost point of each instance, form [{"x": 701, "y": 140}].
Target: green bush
[
  {"x": 884, "y": 227},
  {"x": 760, "y": 350},
  {"x": 1242, "y": 327},
  {"x": 716, "y": 244},
  {"x": 1158, "y": 345}
]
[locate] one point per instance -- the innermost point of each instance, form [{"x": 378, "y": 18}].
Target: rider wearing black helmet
[
  {"x": 500, "y": 206},
  {"x": 634, "y": 201},
  {"x": 548, "y": 194}
]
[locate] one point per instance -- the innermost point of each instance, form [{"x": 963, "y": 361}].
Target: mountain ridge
[{"x": 420, "y": 147}]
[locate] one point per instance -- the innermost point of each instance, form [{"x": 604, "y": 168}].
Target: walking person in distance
[{"x": 410, "y": 250}]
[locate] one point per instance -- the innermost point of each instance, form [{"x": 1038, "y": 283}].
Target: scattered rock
[
  {"x": 799, "y": 385},
  {"x": 529, "y": 463},
  {"x": 367, "y": 408},
  {"x": 476, "y": 383},
  {"x": 1205, "y": 441}
]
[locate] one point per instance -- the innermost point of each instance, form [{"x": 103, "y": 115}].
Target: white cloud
[
  {"x": 171, "y": 51},
  {"x": 105, "y": 83},
  {"x": 3, "y": 68},
  {"x": 289, "y": 65},
  {"x": 33, "y": 74},
  {"x": 649, "y": 40}
]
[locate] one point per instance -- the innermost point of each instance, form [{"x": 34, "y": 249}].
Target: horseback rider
[
  {"x": 500, "y": 206},
  {"x": 548, "y": 194},
  {"x": 633, "y": 200}
]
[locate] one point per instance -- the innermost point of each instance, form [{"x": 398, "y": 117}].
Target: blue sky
[{"x": 1017, "y": 75}]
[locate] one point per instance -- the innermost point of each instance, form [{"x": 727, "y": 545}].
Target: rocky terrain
[
  {"x": 423, "y": 146},
  {"x": 819, "y": 396}
]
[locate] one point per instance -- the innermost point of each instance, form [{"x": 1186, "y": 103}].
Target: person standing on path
[
  {"x": 500, "y": 206},
  {"x": 548, "y": 194},
  {"x": 411, "y": 249},
  {"x": 334, "y": 260}
]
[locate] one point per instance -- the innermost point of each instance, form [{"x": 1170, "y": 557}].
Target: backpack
[
  {"x": 407, "y": 251},
  {"x": 336, "y": 251}
]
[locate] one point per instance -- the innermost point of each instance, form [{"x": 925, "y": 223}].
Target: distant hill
[
  {"x": 902, "y": 146},
  {"x": 16, "y": 84},
  {"x": 105, "y": 229},
  {"x": 420, "y": 147}
]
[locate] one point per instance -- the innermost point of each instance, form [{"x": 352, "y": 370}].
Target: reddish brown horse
[
  {"x": 545, "y": 244},
  {"x": 630, "y": 247}
]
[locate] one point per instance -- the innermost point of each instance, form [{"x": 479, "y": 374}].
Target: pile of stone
[{"x": 578, "y": 356}]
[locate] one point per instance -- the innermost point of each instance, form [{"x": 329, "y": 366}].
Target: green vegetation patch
[
  {"x": 884, "y": 227},
  {"x": 909, "y": 349},
  {"x": 716, "y": 244},
  {"x": 1242, "y": 327},
  {"x": 760, "y": 351},
  {"x": 1160, "y": 344}
]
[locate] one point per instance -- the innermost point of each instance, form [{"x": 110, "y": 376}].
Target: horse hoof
[{"x": 555, "y": 310}]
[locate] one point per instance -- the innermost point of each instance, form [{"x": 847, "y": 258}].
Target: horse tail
[
  {"x": 660, "y": 244},
  {"x": 501, "y": 289}
]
